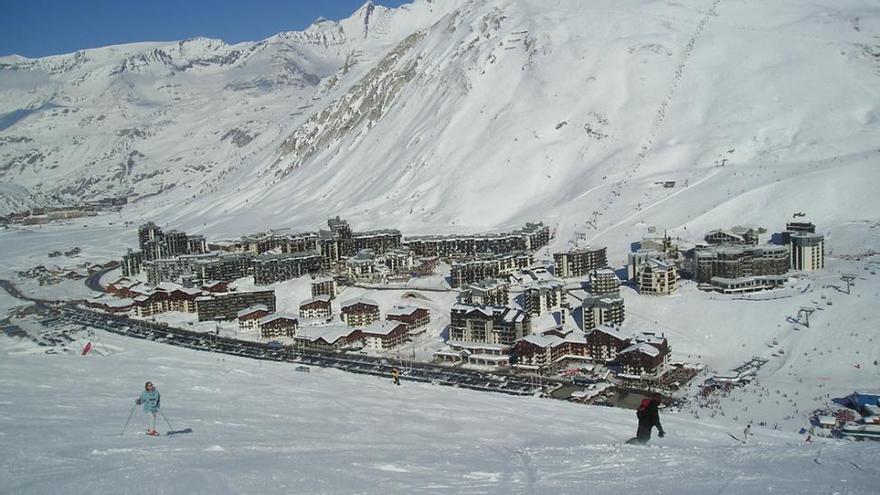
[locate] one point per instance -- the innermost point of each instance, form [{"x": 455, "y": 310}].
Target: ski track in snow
[
  {"x": 660, "y": 201},
  {"x": 659, "y": 118}
]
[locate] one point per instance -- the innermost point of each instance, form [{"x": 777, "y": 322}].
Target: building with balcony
[
  {"x": 579, "y": 262},
  {"x": 360, "y": 312},
  {"x": 488, "y": 324}
]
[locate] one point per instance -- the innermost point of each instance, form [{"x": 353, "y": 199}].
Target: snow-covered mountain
[
  {"x": 144, "y": 118},
  {"x": 462, "y": 115}
]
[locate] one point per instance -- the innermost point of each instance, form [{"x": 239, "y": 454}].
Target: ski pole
[
  {"x": 166, "y": 420},
  {"x": 129, "y": 419},
  {"x": 106, "y": 352}
]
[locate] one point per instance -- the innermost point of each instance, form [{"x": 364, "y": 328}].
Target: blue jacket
[{"x": 150, "y": 400}]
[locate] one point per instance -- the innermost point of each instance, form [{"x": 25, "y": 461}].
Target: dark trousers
[{"x": 643, "y": 434}]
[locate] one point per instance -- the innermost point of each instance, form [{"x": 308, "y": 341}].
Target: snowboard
[{"x": 178, "y": 432}]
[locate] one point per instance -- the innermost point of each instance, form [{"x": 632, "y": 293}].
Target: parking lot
[{"x": 355, "y": 363}]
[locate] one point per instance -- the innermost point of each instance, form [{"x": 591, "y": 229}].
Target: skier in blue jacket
[{"x": 150, "y": 399}]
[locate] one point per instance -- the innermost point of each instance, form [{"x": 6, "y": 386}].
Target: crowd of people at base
[{"x": 708, "y": 402}]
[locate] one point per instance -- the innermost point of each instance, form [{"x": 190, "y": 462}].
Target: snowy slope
[
  {"x": 466, "y": 116},
  {"x": 142, "y": 118},
  {"x": 263, "y": 428},
  {"x": 507, "y": 111},
  {"x": 452, "y": 117}
]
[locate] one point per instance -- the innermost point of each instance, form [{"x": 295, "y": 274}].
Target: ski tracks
[
  {"x": 518, "y": 468},
  {"x": 659, "y": 118},
  {"x": 604, "y": 231}
]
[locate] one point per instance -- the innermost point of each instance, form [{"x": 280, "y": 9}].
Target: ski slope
[
  {"x": 463, "y": 117},
  {"x": 260, "y": 427},
  {"x": 467, "y": 116}
]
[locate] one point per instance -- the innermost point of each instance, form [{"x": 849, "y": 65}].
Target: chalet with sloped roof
[
  {"x": 278, "y": 325},
  {"x": 317, "y": 307},
  {"x": 360, "y": 312}
]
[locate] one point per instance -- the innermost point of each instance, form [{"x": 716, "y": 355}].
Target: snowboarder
[
  {"x": 395, "y": 376},
  {"x": 810, "y": 434},
  {"x": 150, "y": 399},
  {"x": 649, "y": 417},
  {"x": 747, "y": 433}
]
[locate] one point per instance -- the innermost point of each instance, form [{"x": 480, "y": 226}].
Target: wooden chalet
[
  {"x": 606, "y": 341},
  {"x": 386, "y": 334},
  {"x": 278, "y": 325},
  {"x": 416, "y": 319},
  {"x": 360, "y": 312},
  {"x": 316, "y": 307},
  {"x": 249, "y": 318}
]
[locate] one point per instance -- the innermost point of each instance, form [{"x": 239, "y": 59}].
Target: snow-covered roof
[
  {"x": 383, "y": 327},
  {"x": 578, "y": 294},
  {"x": 643, "y": 348},
  {"x": 330, "y": 333},
  {"x": 168, "y": 286},
  {"x": 359, "y": 300},
  {"x": 488, "y": 284},
  {"x": 448, "y": 352},
  {"x": 657, "y": 263},
  {"x": 192, "y": 291},
  {"x": 277, "y": 316},
  {"x": 486, "y": 310},
  {"x": 543, "y": 341},
  {"x": 612, "y": 330},
  {"x": 545, "y": 284},
  {"x": 402, "y": 310},
  {"x": 112, "y": 302},
  {"x": 650, "y": 338},
  {"x": 602, "y": 300},
  {"x": 118, "y": 303},
  {"x": 251, "y": 309},
  {"x": 539, "y": 274},
  {"x": 827, "y": 420},
  {"x": 513, "y": 315},
  {"x": 584, "y": 249},
  {"x": 476, "y": 345},
  {"x": 546, "y": 321},
  {"x": 323, "y": 298},
  {"x": 576, "y": 337},
  {"x": 125, "y": 283}
]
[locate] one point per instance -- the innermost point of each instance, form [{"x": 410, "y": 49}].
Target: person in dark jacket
[
  {"x": 150, "y": 400},
  {"x": 649, "y": 417}
]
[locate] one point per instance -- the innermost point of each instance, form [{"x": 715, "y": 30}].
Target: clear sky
[{"x": 36, "y": 28}]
